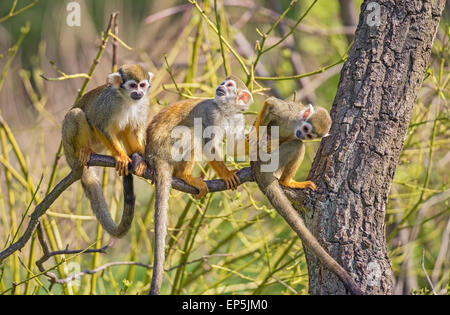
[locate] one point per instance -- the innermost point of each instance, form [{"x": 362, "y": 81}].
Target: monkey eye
[
  {"x": 230, "y": 84},
  {"x": 143, "y": 85},
  {"x": 306, "y": 129},
  {"x": 133, "y": 85}
]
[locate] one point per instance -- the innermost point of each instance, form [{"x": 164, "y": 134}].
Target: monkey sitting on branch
[
  {"x": 111, "y": 117},
  {"x": 294, "y": 123},
  {"x": 214, "y": 116}
]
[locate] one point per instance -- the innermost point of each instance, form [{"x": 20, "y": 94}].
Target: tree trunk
[{"x": 354, "y": 167}]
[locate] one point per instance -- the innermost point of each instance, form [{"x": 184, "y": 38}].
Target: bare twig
[
  {"x": 13, "y": 51},
  {"x": 47, "y": 255},
  {"x": 299, "y": 76},
  {"x": 131, "y": 263},
  {"x": 114, "y": 34},
  {"x": 13, "y": 13},
  {"x": 426, "y": 274},
  {"x": 225, "y": 42}
]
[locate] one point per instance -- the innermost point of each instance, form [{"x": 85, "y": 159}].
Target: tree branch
[{"x": 216, "y": 185}]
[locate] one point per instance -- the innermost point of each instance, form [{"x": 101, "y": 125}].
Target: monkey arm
[
  {"x": 110, "y": 141},
  {"x": 224, "y": 173},
  {"x": 135, "y": 141}
]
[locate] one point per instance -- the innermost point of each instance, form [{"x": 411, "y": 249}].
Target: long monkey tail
[
  {"x": 163, "y": 184},
  {"x": 93, "y": 190},
  {"x": 272, "y": 189}
]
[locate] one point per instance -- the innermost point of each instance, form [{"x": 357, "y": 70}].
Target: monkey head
[
  {"x": 315, "y": 122},
  {"x": 232, "y": 92},
  {"x": 131, "y": 81}
]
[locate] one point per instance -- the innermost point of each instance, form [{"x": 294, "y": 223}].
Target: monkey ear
[
  {"x": 307, "y": 112},
  {"x": 150, "y": 77},
  {"x": 115, "y": 80},
  {"x": 245, "y": 98}
]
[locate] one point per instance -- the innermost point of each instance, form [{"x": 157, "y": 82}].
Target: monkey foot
[
  {"x": 301, "y": 185},
  {"x": 202, "y": 188},
  {"x": 194, "y": 182},
  {"x": 122, "y": 162},
  {"x": 85, "y": 156},
  {"x": 232, "y": 180}
]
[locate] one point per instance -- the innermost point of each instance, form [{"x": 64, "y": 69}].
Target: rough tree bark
[{"x": 355, "y": 165}]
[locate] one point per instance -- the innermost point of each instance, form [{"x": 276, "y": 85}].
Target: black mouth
[
  {"x": 136, "y": 96},
  {"x": 299, "y": 135},
  {"x": 220, "y": 91}
]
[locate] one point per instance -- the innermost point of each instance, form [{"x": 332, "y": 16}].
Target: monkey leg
[
  {"x": 300, "y": 185},
  {"x": 230, "y": 177},
  {"x": 76, "y": 136},
  {"x": 291, "y": 156},
  {"x": 135, "y": 144},
  {"x": 112, "y": 143},
  {"x": 184, "y": 171}
]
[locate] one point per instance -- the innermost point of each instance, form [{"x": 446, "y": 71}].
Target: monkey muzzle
[
  {"x": 220, "y": 91},
  {"x": 137, "y": 95},
  {"x": 300, "y": 135}
]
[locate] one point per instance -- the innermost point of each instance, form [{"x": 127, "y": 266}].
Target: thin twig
[
  {"x": 299, "y": 76},
  {"x": 13, "y": 13},
  {"x": 214, "y": 28},
  {"x": 219, "y": 33},
  {"x": 114, "y": 34},
  {"x": 47, "y": 255},
  {"x": 426, "y": 274},
  {"x": 132, "y": 263}
]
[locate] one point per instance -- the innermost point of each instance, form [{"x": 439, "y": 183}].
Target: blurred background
[{"x": 234, "y": 242}]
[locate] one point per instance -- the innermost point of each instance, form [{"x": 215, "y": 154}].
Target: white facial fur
[
  {"x": 305, "y": 129},
  {"x": 227, "y": 94},
  {"x": 132, "y": 89}
]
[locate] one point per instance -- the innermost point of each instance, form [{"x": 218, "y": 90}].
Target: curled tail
[
  {"x": 163, "y": 183},
  {"x": 94, "y": 192}
]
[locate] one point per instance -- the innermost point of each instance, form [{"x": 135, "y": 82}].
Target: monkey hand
[
  {"x": 122, "y": 161},
  {"x": 140, "y": 170},
  {"x": 85, "y": 155},
  {"x": 232, "y": 180},
  {"x": 138, "y": 165},
  {"x": 300, "y": 185}
]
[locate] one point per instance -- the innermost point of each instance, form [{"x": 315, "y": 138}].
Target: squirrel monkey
[
  {"x": 222, "y": 112},
  {"x": 296, "y": 122},
  {"x": 111, "y": 117}
]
